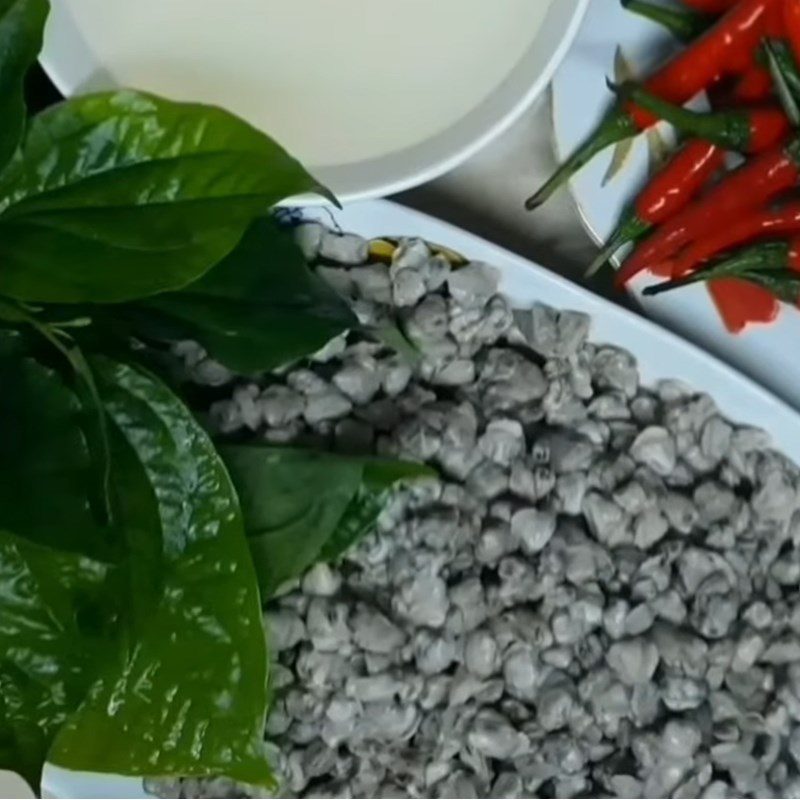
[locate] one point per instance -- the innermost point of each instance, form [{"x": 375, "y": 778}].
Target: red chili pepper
[
  {"x": 725, "y": 49},
  {"x": 791, "y": 22},
  {"x": 684, "y": 176},
  {"x": 741, "y": 303},
  {"x": 753, "y": 185},
  {"x": 668, "y": 192},
  {"x": 738, "y": 231},
  {"x": 747, "y": 130},
  {"x": 755, "y": 85},
  {"x": 671, "y": 190},
  {"x": 775, "y": 25},
  {"x": 710, "y": 6}
]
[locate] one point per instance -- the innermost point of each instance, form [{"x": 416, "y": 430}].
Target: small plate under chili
[{"x": 767, "y": 353}]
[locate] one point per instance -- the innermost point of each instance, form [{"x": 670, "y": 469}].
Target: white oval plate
[
  {"x": 76, "y": 65},
  {"x": 661, "y": 354},
  {"x": 767, "y": 353}
]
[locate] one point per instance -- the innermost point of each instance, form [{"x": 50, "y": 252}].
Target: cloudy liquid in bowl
[{"x": 336, "y": 81}]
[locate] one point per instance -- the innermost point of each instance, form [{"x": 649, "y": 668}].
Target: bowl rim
[
  {"x": 412, "y": 166},
  {"x": 437, "y": 155}
]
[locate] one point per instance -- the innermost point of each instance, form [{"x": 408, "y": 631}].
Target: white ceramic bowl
[{"x": 73, "y": 66}]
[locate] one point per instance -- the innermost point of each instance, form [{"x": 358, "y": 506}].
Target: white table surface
[{"x": 486, "y": 196}]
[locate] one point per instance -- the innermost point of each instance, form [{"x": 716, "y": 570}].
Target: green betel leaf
[
  {"x": 302, "y": 506},
  {"x": 357, "y": 521},
  {"x": 118, "y": 196},
  {"x": 45, "y": 464},
  {"x": 187, "y": 692},
  {"x": 378, "y": 479},
  {"x": 260, "y": 308},
  {"x": 52, "y": 640},
  {"x": 292, "y": 501},
  {"x": 94, "y": 420},
  {"x": 21, "y": 27},
  {"x": 381, "y": 474},
  {"x": 51, "y": 645}
]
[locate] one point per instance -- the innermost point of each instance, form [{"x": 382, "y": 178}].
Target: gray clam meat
[{"x": 600, "y": 596}]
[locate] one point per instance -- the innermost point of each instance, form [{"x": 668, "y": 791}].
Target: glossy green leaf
[
  {"x": 52, "y": 642},
  {"x": 302, "y": 506},
  {"x": 381, "y": 474},
  {"x": 186, "y": 694},
  {"x": 379, "y": 477},
  {"x": 45, "y": 465},
  {"x": 260, "y": 308},
  {"x": 118, "y": 196},
  {"x": 357, "y": 521},
  {"x": 21, "y": 27},
  {"x": 95, "y": 427},
  {"x": 292, "y": 501},
  {"x": 94, "y": 419}
]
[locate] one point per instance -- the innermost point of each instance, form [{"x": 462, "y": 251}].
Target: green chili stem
[
  {"x": 792, "y": 149},
  {"x": 785, "y": 74},
  {"x": 784, "y": 284},
  {"x": 769, "y": 256},
  {"x": 784, "y": 57},
  {"x": 630, "y": 229},
  {"x": 779, "y": 70},
  {"x": 616, "y": 127},
  {"x": 728, "y": 129},
  {"x": 685, "y": 26}
]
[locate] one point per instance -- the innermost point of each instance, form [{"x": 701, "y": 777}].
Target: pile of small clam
[{"x": 599, "y": 597}]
